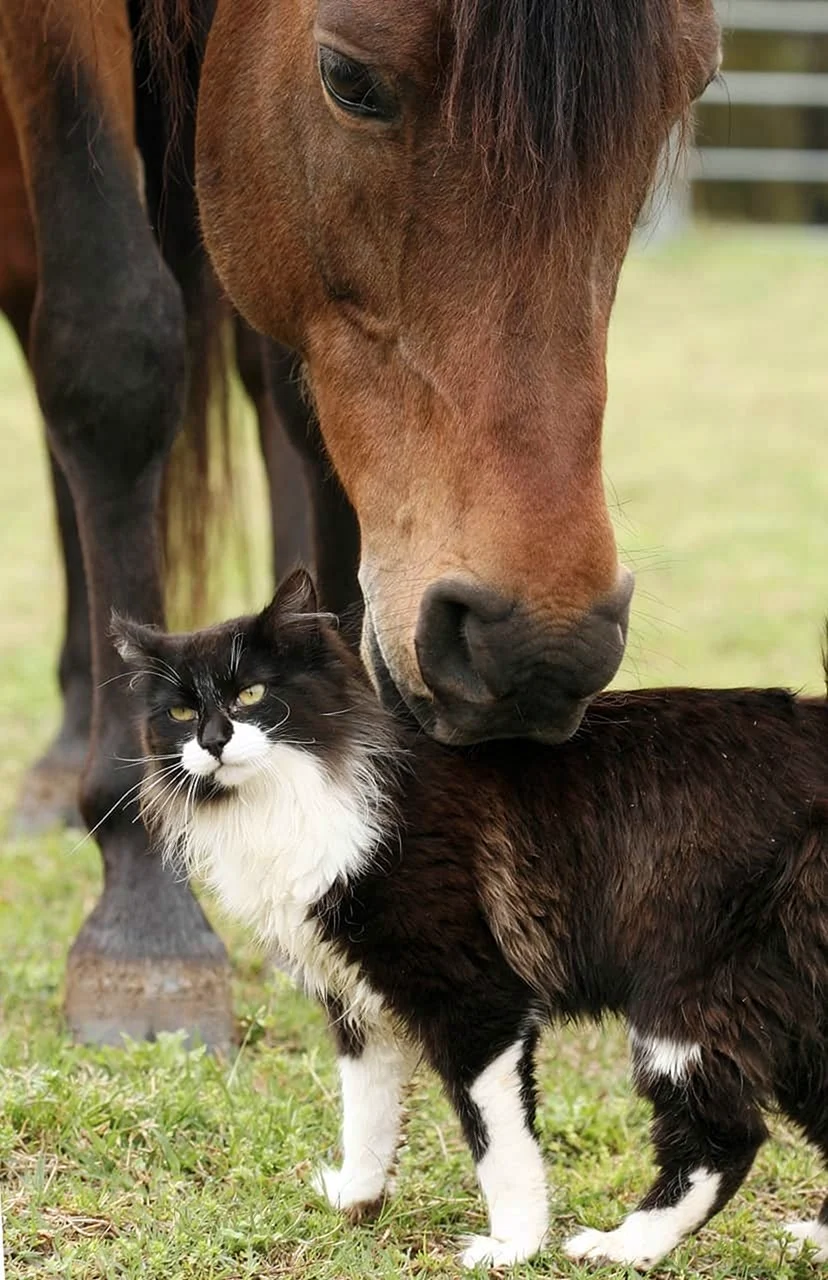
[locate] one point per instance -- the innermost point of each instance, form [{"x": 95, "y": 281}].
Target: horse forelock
[{"x": 565, "y": 99}]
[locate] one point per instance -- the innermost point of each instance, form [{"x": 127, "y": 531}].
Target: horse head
[{"x": 431, "y": 200}]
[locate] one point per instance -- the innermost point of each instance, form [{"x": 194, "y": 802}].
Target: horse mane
[{"x": 561, "y": 95}]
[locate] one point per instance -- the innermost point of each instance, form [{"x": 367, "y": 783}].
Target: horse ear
[
  {"x": 137, "y": 643},
  {"x": 296, "y": 595}
]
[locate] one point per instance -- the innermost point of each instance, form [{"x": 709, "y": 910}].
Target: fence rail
[
  {"x": 809, "y": 17},
  {"x": 758, "y": 164},
  {"x": 768, "y": 89},
  {"x": 670, "y": 208}
]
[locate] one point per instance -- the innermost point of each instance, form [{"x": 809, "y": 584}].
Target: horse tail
[
  {"x": 198, "y": 507},
  {"x": 197, "y": 498}
]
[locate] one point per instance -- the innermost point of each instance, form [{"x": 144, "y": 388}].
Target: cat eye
[
  {"x": 182, "y": 714},
  {"x": 354, "y": 87},
  {"x": 251, "y": 695}
]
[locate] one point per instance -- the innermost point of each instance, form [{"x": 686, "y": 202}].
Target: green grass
[{"x": 150, "y": 1161}]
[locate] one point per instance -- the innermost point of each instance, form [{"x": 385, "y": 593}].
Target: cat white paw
[
  {"x": 811, "y": 1234},
  {"x": 356, "y": 1195},
  {"x": 485, "y": 1251},
  {"x": 616, "y": 1246}
]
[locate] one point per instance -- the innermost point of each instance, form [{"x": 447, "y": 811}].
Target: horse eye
[{"x": 354, "y": 87}]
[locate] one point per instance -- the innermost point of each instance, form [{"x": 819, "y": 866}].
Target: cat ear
[
  {"x": 294, "y": 607},
  {"x": 137, "y": 643},
  {"x": 296, "y": 594}
]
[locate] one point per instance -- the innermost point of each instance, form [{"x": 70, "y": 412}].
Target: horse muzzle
[{"x": 493, "y": 670}]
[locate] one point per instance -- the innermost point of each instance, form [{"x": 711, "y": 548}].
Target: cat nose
[{"x": 215, "y": 733}]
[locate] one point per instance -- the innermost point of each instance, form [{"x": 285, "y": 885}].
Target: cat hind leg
[{"x": 706, "y": 1131}]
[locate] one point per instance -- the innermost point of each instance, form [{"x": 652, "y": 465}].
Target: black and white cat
[{"x": 670, "y": 863}]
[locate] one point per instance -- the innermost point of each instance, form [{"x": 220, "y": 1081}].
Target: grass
[{"x": 154, "y": 1162}]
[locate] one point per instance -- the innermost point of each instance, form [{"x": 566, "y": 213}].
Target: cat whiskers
[
  {"x": 127, "y": 798},
  {"x": 134, "y": 673},
  {"x": 291, "y": 742},
  {"x": 158, "y": 666},
  {"x": 149, "y": 796},
  {"x": 273, "y": 728},
  {"x": 153, "y": 807},
  {"x": 122, "y": 675},
  {"x": 145, "y": 760},
  {"x": 236, "y": 647}
]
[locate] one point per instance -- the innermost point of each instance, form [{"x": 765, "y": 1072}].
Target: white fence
[{"x": 670, "y": 211}]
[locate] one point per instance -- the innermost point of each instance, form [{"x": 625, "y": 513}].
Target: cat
[{"x": 668, "y": 863}]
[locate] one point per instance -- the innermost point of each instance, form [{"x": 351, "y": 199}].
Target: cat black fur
[{"x": 669, "y": 863}]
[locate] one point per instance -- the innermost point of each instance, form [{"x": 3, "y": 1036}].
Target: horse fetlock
[{"x": 48, "y": 796}]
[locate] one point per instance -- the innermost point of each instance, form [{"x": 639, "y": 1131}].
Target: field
[{"x": 152, "y": 1162}]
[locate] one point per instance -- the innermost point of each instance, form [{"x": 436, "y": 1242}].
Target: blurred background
[{"x": 763, "y": 131}]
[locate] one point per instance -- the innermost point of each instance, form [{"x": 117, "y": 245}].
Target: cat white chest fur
[{"x": 275, "y": 845}]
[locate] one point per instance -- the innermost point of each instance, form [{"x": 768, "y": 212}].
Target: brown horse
[
  {"x": 430, "y": 203},
  {"x": 444, "y": 191}
]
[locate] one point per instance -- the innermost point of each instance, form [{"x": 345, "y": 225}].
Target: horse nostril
[
  {"x": 448, "y": 638},
  {"x": 616, "y": 606}
]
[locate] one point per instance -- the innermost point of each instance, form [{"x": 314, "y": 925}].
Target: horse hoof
[
  {"x": 47, "y": 799},
  {"x": 147, "y": 961},
  {"x": 108, "y": 998}
]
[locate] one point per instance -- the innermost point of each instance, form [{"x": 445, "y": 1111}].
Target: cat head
[{"x": 219, "y": 706}]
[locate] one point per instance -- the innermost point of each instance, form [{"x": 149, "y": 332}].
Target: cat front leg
[
  {"x": 494, "y": 1096},
  {"x": 373, "y": 1071}
]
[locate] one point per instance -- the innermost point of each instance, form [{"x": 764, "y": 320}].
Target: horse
[{"x": 429, "y": 204}]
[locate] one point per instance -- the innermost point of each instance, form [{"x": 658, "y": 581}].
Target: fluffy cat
[{"x": 669, "y": 863}]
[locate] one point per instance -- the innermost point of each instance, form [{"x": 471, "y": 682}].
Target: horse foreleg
[
  {"x": 49, "y": 794},
  {"x": 108, "y": 353}
]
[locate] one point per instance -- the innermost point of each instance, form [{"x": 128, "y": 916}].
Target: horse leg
[
  {"x": 49, "y": 794},
  {"x": 108, "y": 354},
  {"x": 335, "y": 531},
  {"x": 286, "y": 481},
  {"x": 50, "y": 789}
]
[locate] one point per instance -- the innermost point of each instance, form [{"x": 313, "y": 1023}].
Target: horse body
[{"x": 378, "y": 193}]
